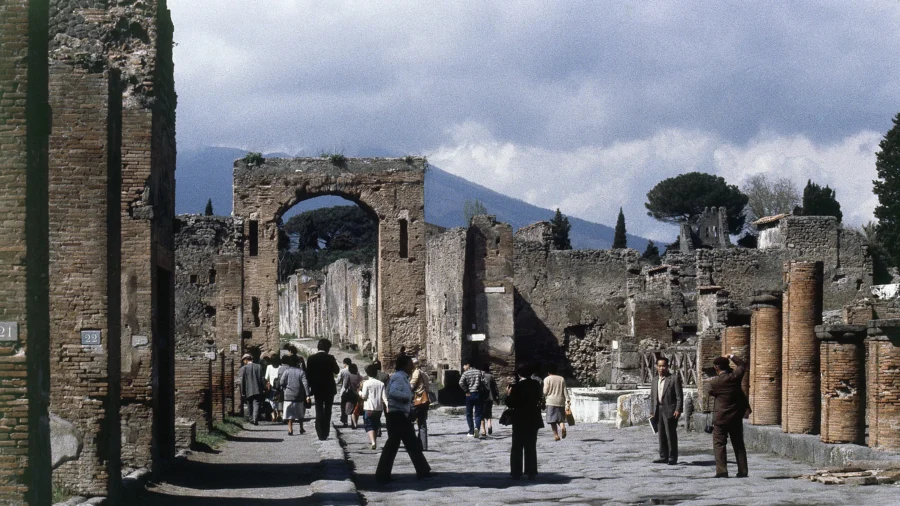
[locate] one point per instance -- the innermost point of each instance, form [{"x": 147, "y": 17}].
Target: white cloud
[{"x": 592, "y": 182}]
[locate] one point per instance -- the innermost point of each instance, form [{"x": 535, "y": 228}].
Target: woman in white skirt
[{"x": 296, "y": 392}]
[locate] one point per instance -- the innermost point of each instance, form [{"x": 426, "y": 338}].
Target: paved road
[{"x": 596, "y": 464}]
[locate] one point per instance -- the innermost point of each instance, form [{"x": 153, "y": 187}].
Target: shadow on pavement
[
  {"x": 151, "y": 499},
  {"x": 441, "y": 480},
  {"x": 240, "y": 439},
  {"x": 208, "y": 476}
]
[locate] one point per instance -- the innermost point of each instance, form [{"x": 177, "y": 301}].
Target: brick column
[
  {"x": 843, "y": 417},
  {"x": 801, "y": 372},
  {"x": 708, "y": 348},
  {"x": 883, "y": 384},
  {"x": 785, "y": 335},
  {"x": 736, "y": 341},
  {"x": 765, "y": 359}
]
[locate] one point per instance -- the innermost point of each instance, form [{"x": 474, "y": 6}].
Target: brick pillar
[
  {"x": 736, "y": 341},
  {"x": 24, "y": 333},
  {"x": 785, "y": 334},
  {"x": 85, "y": 239},
  {"x": 708, "y": 348},
  {"x": 883, "y": 384},
  {"x": 229, "y": 385},
  {"x": 765, "y": 359},
  {"x": 801, "y": 372},
  {"x": 843, "y": 357}
]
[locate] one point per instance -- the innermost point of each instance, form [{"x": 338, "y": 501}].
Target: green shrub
[{"x": 253, "y": 158}]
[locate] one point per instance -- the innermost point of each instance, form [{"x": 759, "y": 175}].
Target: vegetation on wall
[{"x": 317, "y": 238}]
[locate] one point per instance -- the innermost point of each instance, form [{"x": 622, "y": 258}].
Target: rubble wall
[{"x": 444, "y": 274}]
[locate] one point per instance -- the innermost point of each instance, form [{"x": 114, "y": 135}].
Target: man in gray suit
[
  {"x": 666, "y": 406},
  {"x": 252, "y": 386}
]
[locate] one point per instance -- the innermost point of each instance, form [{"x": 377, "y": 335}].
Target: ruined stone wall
[
  {"x": 488, "y": 285},
  {"x": 193, "y": 392},
  {"x": 444, "y": 274},
  {"x": 85, "y": 186},
  {"x": 740, "y": 271},
  {"x": 24, "y": 365},
  {"x": 391, "y": 189},
  {"x": 349, "y": 305},
  {"x": 563, "y": 298},
  {"x": 289, "y": 307}
]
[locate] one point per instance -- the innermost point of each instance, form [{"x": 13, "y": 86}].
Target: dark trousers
[
  {"x": 721, "y": 433},
  {"x": 400, "y": 428},
  {"x": 323, "y": 415},
  {"x": 254, "y": 405},
  {"x": 523, "y": 441},
  {"x": 667, "y": 430},
  {"x": 473, "y": 403}
]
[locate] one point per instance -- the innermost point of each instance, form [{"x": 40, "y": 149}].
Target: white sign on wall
[
  {"x": 477, "y": 337},
  {"x": 495, "y": 289}
]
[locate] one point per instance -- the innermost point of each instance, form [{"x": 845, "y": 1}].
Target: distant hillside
[{"x": 206, "y": 173}]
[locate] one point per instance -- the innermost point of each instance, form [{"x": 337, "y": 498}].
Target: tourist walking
[
  {"x": 372, "y": 394},
  {"x": 273, "y": 386},
  {"x": 523, "y": 397},
  {"x": 421, "y": 402},
  {"x": 472, "y": 383},
  {"x": 296, "y": 393},
  {"x": 399, "y": 427},
  {"x": 320, "y": 370},
  {"x": 557, "y": 399},
  {"x": 666, "y": 406},
  {"x": 350, "y": 398},
  {"x": 381, "y": 375},
  {"x": 342, "y": 386},
  {"x": 731, "y": 406},
  {"x": 491, "y": 396},
  {"x": 253, "y": 387}
]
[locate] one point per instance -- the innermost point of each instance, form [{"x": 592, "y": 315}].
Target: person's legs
[
  {"x": 422, "y": 422},
  {"x": 344, "y": 409},
  {"x": 413, "y": 447},
  {"x": 515, "y": 454},
  {"x": 290, "y": 422},
  {"x": 672, "y": 435},
  {"x": 470, "y": 405},
  {"x": 477, "y": 409},
  {"x": 555, "y": 431},
  {"x": 662, "y": 435},
  {"x": 720, "y": 439},
  {"x": 255, "y": 408},
  {"x": 530, "y": 447},
  {"x": 323, "y": 416},
  {"x": 389, "y": 451},
  {"x": 562, "y": 429},
  {"x": 740, "y": 451}
]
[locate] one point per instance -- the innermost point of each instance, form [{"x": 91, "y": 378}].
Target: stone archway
[{"x": 391, "y": 189}]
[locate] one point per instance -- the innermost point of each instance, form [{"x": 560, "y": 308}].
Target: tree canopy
[
  {"x": 473, "y": 208},
  {"x": 818, "y": 201},
  {"x": 620, "y": 239},
  {"x": 684, "y": 197},
  {"x": 314, "y": 239},
  {"x": 768, "y": 197},
  {"x": 887, "y": 188},
  {"x": 651, "y": 254},
  {"x": 560, "y": 227}
]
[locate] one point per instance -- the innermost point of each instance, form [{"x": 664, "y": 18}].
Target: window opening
[
  {"x": 404, "y": 239},
  {"x": 254, "y": 238}
]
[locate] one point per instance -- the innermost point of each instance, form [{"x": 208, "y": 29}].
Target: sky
[{"x": 581, "y": 106}]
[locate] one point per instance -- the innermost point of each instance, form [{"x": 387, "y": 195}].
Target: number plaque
[
  {"x": 90, "y": 338},
  {"x": 9, "y": 331}
]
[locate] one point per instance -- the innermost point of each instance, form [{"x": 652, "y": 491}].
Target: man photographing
[
  {"x": 731, "y": 405},
  {"x": 666, "y": 406}
]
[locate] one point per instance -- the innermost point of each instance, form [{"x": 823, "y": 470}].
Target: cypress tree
[
  {"x": 209, "y": 209},
  {"x": 559, "y": 226},
  {"x": 620, "y": 240},
  {"x": 887, "y": 188}
]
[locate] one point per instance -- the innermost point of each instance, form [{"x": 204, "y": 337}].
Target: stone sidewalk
[
  {"x": 596, "y": 464},
  {"x": 261, "y": 465}
]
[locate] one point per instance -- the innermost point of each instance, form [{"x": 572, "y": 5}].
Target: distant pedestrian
[
  {"x": 491, "y": 396},
  {"x": 381, "y": 375},
  {"x": 321, "y": 368},
  {"x": 556, "y": 396},
  {"x": 472, "y": 383},
  {"x": 350, "y": 398},
  {"x": 273, "y": 386},
  {"x": 296, "y": 393},
  {"x": 400, "y": 397},
  {"x": 373, "y": 396},
  {"x": 731, "y": 406},
  {"x": 253, "y": 387},
  {"x": 342, "y": 386},
  {"x": 421, "y": 401},
  {"x": 524, "y": 399}
]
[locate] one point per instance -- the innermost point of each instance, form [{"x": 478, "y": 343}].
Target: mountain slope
[{"x": 207, "y": 172}]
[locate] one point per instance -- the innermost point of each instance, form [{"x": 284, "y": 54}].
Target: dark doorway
[{"x": 164, "y": 371}]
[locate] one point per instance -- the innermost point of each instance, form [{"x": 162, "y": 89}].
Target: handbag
[
  {"x": 570, "y": 418},
  {"x": 506, "y": 417},
  {"x": 421, "y": 399},
  {"x": 708, "y": 427}
]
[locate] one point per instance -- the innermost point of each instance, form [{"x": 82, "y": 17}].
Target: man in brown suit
[{"x": 728, "y": 419}]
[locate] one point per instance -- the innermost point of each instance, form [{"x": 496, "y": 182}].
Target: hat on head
[{"x": 247, "y": 356}]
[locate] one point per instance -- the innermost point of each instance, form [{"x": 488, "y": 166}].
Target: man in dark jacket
[
  {"x": 320, "y": 370},
  {"x": 728, "y": 419},
  {"x": 666, "y": 406},
  {"x": 524, "y": 399},
  {"x": 253, "y": 386}
]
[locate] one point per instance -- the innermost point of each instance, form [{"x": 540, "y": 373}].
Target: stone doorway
[{"x": 390, "y": 189}]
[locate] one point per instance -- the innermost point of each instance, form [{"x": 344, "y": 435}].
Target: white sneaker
[{"x": 470, "y": 435}]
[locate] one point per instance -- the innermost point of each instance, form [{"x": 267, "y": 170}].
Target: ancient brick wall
[
  {"x": 801, "y": 380},
  {"x": 193, "y": 395},
  {"x": 489, "y": 293},
  {"x": 24, "y": 366},
  {"x": 649, "y": 318},
  {"x": 444, "y": 274},
  {"x": 564, "y": 296},
  {"x": 85, "y": 190},
  {"x": 842, "y": 350},
  {"x": 765, "y": 360},
  {"x": 349, "y": 299},
  {"x": 883, "y": 384},
  {"x": 391, "y": 189}
]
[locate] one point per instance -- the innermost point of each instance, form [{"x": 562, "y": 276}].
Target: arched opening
[{"x": 327, "y": 271}]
